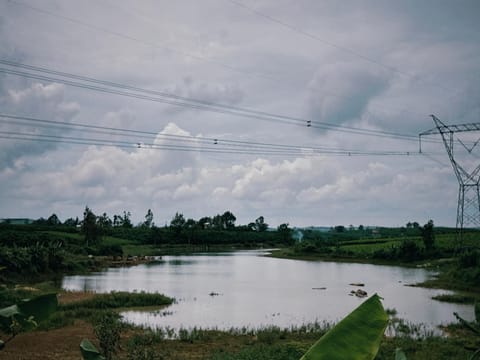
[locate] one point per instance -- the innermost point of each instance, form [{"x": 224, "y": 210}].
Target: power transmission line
[
  {"x": 177, "y": 100},
  {"x": 216, "y": 62},
  {"x": 125, "y": 144},
  {"x": 202, "y": 143}
]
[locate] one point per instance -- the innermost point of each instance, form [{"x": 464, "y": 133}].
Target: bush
[
  {"x": 107, "y": 329},
  {"x": 469, "y": 259},
  {"x": 110, "y": 250},
  {"x": 409, "y": 251}
]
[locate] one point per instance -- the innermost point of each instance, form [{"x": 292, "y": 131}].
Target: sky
[{"x": 383, "y": 66}]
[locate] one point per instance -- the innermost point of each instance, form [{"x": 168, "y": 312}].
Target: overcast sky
[{"x": 378, "y": 65}]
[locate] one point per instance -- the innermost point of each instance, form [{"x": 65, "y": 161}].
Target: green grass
[
  {"x": 368, "y": 249},
  {"x": 457, "y": 298},
  {"x": 116, "y": 300}
]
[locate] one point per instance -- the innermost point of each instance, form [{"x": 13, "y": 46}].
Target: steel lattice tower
[{"x": 468, "y": 207}]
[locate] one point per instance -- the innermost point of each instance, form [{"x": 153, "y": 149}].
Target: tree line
[{"x": 216, "y": 229}]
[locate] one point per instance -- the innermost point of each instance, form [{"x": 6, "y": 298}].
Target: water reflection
[{"x": 254, "y": 290}]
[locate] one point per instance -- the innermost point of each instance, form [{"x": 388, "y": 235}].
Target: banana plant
[
  {"x": 356, "y": 337},
  {"x": 26, "y": 314}
]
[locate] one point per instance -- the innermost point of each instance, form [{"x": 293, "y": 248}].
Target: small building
[{"x": 16, "y": 221}]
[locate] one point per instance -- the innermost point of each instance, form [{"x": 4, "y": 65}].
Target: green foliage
[
  {"x": 400, "y": 355},
  {"x": 409, "y": 251},
  {"x": 110, "y": 250},
  {"x": 260, "y": 224},
  {"x": 455, "y": 298},
  {"x": 469, "y": 259},
  {"x": 89, "y": 351},
  {"x": 107, "y": 329},
  {"x": 115, "y": 300},
  {"x": 263, "y": 352},
  {"x": 148, "y": 219},
  {"x": 270, "y": 334},
  {"x": 356, "y": 337},
  {"x": 90, "y": 229},
  {"x": 177, "y": 223},
  {"x": 140, "y": 347},
  {"x": 428, "y": 235},
  {"x": 26, "y": 314},
  {"x": 474, "y": 327}
]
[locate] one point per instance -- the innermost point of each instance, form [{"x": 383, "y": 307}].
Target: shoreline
[{"x": 437, "y": 265}]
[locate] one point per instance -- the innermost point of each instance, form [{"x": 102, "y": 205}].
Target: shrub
[
  {"x": 409, "y": 251},
  {"x": 140, "y": 347},
  {"x": 107, "y": 329},
  {"x": 469, "y": 259}
]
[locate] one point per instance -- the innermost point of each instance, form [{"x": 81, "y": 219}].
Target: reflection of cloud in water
[{"x": 254, "y": 287}]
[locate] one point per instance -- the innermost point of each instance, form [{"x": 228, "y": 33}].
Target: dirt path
[{"x": 59, "y": 344}]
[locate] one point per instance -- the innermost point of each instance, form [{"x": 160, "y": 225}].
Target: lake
[{"x": 247, "y": 289}]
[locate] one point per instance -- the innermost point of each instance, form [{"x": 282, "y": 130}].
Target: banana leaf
[
  {"x": 89, "y": 351},
  {"x": 40, "y": 307},
  {"x": 399, "y": 354},
  {"x": 28, "y": 312},
  {"x": 356, "y": 337}
]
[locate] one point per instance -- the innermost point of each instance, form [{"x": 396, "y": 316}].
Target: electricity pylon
[{"x": 468, "y": 207}]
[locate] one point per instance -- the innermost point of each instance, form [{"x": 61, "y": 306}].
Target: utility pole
[{"x": 468, "y": 207}]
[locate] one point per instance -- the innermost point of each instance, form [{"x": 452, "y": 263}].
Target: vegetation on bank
[
  {"x": 117, "y": 340},
  {"x": 47, "y": 247},
  {"x": 456, "y": 261}
]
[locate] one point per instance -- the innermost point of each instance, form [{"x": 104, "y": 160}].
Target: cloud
[
  {"x": 238, "y": 58},
  {"x": 340, "y": 92},
  {"x": 44, "y": 102}
]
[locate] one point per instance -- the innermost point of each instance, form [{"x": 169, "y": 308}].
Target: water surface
[{"x": 244, "y": 288}]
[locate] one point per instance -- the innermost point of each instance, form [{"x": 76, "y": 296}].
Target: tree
[
  {"x": 177, "y": 223},
  {"x": 191, "y": 225},
  {"x": 53, "y": 220},
  {"x": 205, "y": 222},
  {"x": 260, "y": 224},
  {"x": 117, "y": 220},
  {"x": 89, "y": 227},
  {"x": 228, "y": 220},
  {"x": 285, "y": 232},
  {"x": 217, "y": 222},
  {"x": 104, "y": 221},
  {"x": 428, "y": 235},
  {"x": 149, "y": 219},
  {"x": 126, "y": 223},
  {"x": 71, "y": 222}
]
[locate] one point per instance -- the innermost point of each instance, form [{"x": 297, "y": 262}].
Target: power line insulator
[{"x": 309, "y": 123}]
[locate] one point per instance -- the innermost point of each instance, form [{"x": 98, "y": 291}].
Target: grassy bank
[
  {"x": 266, "y": 343},
  {"x": 457, "y": 264},
  {"x": 79, "y": 313}
]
